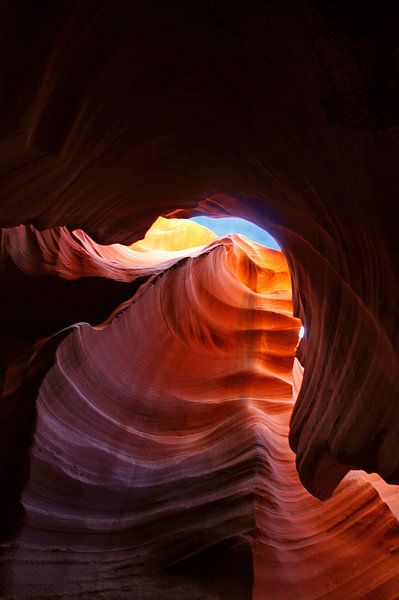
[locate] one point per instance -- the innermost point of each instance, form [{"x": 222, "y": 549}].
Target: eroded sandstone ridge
[
  {"x": 284, "y": 113},
  {"x": 160, "y": 465},
  {"x": 114, "y": 115}
]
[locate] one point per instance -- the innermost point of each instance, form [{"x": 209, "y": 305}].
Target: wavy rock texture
[
  {"x": 287, "y": 115},
  {"x": 74, "y": 280},
  {"x": 161, "y": 466}
]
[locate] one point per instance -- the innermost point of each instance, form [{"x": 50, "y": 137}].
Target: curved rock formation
[
  {"x": 123, "y": 115},
  {"x": 286, "y": 115},
  {"x": 161, "y": 444}
]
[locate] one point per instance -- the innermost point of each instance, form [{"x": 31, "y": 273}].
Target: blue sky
[{"x": 236, "y": 225}]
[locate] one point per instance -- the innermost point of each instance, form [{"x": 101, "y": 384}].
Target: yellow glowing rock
[{"x": 174, "y": 234}]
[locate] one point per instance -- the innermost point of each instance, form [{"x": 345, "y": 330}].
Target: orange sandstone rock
[{"x": 161, "y": 447}]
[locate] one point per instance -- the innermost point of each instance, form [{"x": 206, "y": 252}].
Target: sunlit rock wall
[
  {"x": 160, "y": 465},
  {"x": 287, "y": 115},
  {"x": 114, "y": 115}
]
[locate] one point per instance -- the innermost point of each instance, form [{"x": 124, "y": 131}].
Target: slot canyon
[{"x": 167, "y": 432}]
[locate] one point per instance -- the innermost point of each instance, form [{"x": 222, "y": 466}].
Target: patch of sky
[{"x": 228, "y": 225}]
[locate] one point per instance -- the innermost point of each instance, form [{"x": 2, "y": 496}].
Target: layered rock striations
[
  {"x": 160, "y": 465},
  {"x": 113, "y": 116}
]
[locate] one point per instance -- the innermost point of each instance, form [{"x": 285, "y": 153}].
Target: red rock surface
[
  {"x": 286, "y": 115},
  {"x": 161, "y": 465}
]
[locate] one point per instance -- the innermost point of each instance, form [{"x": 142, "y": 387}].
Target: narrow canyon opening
[
  {"x": 159, "y": 438},
  {"x": 160, "y": 444},
  {"x": 180, "y": 413},
  {"x": 163, "y": 398}
]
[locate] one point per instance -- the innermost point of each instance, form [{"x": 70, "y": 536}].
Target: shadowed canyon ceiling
[{"x": 165, "y": 432}]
